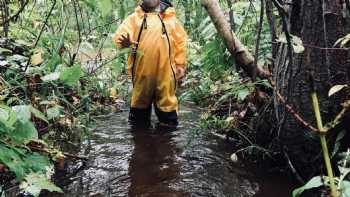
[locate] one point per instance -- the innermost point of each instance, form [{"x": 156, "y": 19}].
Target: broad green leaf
[
  {"x": 12, "y": 160},
  {"x": 23, "y": 112},
  {"x": 37, "y": 162},
  {"x": 313, "y": 183},
  {"x": 34, "y": 183},
  {"x": 70, "y": 76},
  {"x": 24, "y": 132},
  {"x": 336, "y": 89},
  {"x": 105, "y": 7}
]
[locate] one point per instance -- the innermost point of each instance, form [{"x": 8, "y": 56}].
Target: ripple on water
[{"x": 122, "y": 163}]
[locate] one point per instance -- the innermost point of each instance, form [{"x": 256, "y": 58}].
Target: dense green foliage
[{"x": 59, "y": 68}]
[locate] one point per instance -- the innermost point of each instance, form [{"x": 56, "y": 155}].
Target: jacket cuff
[{"x": 181, "y": 66}]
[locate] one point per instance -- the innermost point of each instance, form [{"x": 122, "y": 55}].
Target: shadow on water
[
  {"x": 153, "y": 166},
  {"x": 152, "y": 163}
]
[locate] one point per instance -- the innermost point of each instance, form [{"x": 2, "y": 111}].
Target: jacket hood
[{"x": 169, "y": 12}]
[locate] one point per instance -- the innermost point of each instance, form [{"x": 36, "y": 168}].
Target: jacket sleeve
[
  {"x": 126, "y": 29},
  {"x": 180, "y": 45}
]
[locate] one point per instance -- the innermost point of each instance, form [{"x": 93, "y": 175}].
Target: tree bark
[
  {"x": 319, "y": 26},
  {"x": 240, "y": 53}
]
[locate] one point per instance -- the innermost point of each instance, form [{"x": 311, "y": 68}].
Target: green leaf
[
  {"x": 24, "y": 132},
  {"x": 23, "y": 112},
  {"x": 34, "y": 183},
  {"x": 12, "y": 160},
  {"x": 7, "y": 116},
  {"x": 70, "y": 76},
  {"x": 242, "y": 94},
  {"x": 5, "y": 52},
  {"x": 38, "y": 114},
  {"x": 54, "y": 112},
  {"x": 313, "y": 183},
  {"x": 51, "y": 77},
  {"x": 105, "y": 7},
  {"x": 345, "y": 188},
  {"x": 37, "y": 162}
]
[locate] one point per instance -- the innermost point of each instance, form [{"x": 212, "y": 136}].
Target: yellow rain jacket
[{"x": 162, "y": 48}]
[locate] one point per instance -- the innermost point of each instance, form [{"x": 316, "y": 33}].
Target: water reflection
[{"x": 153, "y": 165}]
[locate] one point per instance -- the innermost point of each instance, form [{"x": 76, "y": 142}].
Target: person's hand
[
  {"x": 125, "y": 41},
  {"x": 180, "y": 73}
]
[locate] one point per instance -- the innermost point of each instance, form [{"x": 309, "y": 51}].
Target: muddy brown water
[{"x": 158, "y": 163}]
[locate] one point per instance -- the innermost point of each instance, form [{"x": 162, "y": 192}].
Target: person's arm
[
  {"x": 180, "y": 49},
  {"x": 124, "y": 34}
]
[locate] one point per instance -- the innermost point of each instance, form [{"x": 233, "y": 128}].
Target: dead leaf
[{"x": 37, "y": 59}]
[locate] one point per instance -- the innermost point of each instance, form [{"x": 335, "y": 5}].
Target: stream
[{"x": 156, "y": 163}]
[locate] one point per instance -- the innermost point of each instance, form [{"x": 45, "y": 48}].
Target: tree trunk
[
  {"x": 241, "y": 55},
  {"x": 319, "y": 26}
]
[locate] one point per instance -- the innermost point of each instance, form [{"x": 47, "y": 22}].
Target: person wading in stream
[{"x": 159, "y": 47}]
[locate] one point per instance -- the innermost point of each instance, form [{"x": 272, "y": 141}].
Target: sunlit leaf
[
  {"x": 51, "y": 77},
  {"x": 23, "y": 112},
  {"x": 343, "y": 41},
  {"x": 36, "y": 59},
  {"x": 336, "y": 89},
  {"x": 34, "y": 183}
]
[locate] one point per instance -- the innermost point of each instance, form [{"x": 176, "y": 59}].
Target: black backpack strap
[
  {"x": 135, "y": 48},
  {"x": 168, "y": 38}
]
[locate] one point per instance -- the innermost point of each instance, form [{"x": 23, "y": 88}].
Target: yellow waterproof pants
[{"x": 161, "y": 49}]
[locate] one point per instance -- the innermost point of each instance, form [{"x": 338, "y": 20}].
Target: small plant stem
[{"x": 323, "y": 132}]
